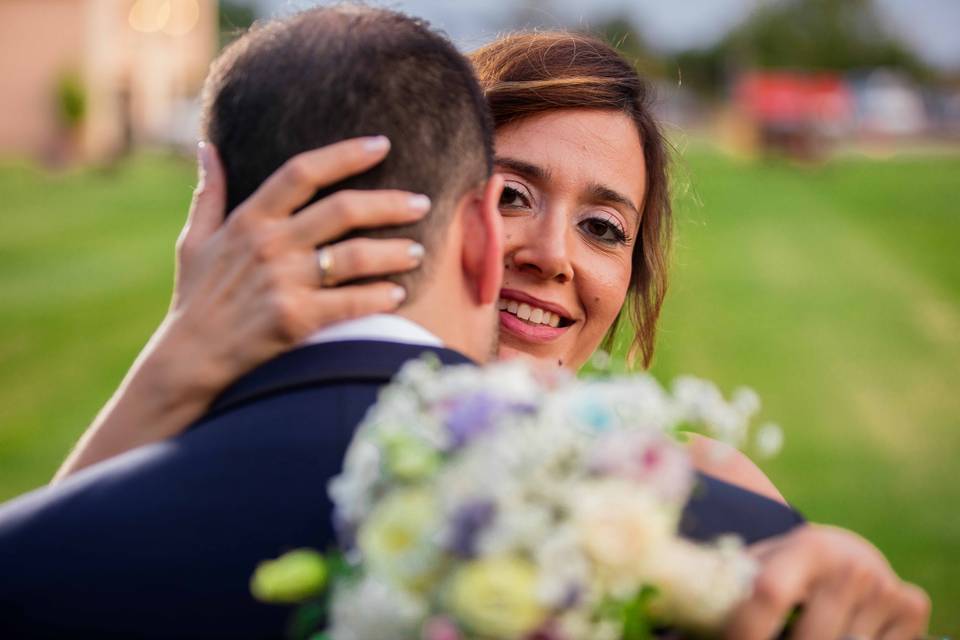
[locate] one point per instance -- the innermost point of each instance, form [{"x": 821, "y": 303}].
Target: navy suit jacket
[{"x": 161, "y": 542}]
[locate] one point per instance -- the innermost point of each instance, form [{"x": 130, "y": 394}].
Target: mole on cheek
[{"x": 559, "y": 363}]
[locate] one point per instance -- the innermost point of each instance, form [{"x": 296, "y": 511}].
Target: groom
[{"x": 161, "y": 542}]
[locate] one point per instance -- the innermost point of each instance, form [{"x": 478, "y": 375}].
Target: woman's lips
[
  {"x": 521, "y": 297},
  {"x": 532, "y": 319},
  {"x": 527, "y": 331}
]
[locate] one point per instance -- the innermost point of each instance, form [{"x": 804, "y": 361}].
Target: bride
[{"x": 587, "y": 224}]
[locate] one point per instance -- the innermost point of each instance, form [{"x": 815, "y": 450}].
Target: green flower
[
  {"x": 409, "y": 458},
  {"x": 293, "y": 577},
  {"x": 497, "y": 597}
]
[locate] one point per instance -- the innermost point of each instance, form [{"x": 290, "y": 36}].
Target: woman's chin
[{"x": 508, "y": 350}]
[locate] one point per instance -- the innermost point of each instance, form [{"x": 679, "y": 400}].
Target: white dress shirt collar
[{"x": 381, "y": 327}]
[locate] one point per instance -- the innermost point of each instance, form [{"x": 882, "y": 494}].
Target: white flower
[
  {"x": 623, "y": 527},
  {"x": 564, "y": 571},
  {"x": 352, "y": 490},
  {"x": 769, "y": 440},
  {"x": 746, "y": 401},
  {"x": 373, "y": 610},
  {"x": 699, "y": 585},
  {"x": 702, "y": 403},
  {"x": 519, "y": 525},
  {"x": 647, "y": 458},
  {"x": 582, "y": 625}
]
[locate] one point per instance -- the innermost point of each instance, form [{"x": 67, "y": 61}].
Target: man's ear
[{"x": 483, "y": 242}]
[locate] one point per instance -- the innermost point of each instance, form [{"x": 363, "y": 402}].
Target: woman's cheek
[{"x": 604, "y": 294}]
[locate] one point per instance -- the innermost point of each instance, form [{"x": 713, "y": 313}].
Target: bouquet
[{"x": 507, "y": 502}]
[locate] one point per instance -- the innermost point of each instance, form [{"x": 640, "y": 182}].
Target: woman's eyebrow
[
  {"x": 603, "y": 193},
  {"x": 523, "y": 168}
]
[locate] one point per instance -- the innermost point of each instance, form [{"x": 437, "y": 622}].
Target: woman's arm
[
  {"x": 731, "y": 465},
  {"x": 249, "y": 289}
]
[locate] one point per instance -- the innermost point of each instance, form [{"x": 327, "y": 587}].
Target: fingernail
[
  {"x": 419, "y": 203},
  {"x": 203, "y": 159},
  {"x": 375, "y": 144},
  {"x": 399, "y": 294},
  {"x": 416, "y": 251}
]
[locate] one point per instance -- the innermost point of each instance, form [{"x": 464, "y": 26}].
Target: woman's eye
[
  {"x": 512, "y": 198},
  {"x": 603, "y": 230}
]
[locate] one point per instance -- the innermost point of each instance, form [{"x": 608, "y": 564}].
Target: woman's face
[{"x": 574, "y": 187}]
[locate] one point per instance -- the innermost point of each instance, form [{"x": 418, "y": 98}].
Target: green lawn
[{"x": 834, "y": 291}]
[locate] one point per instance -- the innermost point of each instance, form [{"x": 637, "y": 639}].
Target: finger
[
  {"x": 782, "y": 583},
  {"x": 871, "y": 615},
  {"x": 345, "y": 303},
  {"x": 348, "y": 210},
  {"x": 911, "y": 617},
  {"x": 366, "y": 257},
  {"x": 208, "y": 207},
  {"x": 826, "y": 613},
  {"x": 294, "y": 183}
]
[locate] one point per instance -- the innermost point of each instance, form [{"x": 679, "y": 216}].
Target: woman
[{"x": 587, "y": 228}]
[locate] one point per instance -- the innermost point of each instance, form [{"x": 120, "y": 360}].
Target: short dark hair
[{"x": 337, "y": 72}]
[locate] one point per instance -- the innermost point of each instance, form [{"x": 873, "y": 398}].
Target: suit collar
[
  {"x": 379, "y": 327},
  {"x": 363, "y": 361}
]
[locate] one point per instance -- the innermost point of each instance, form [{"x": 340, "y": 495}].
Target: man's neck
[
  {"x": 472, "y": 333},
  {"x": 382, "y": 327}
]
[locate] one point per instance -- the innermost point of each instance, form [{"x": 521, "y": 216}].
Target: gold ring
[{"x": 324, "y": 264}]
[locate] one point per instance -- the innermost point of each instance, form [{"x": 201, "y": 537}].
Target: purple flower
[
  {"x": 467, "y": 523},
  {"x": 345, "y": 531},
  {"x": 471, "y": 415}
]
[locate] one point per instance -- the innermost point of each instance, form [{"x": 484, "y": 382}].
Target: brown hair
[
  {"x": 332, "y": 73},
  {"x": 525, "y": 74}
]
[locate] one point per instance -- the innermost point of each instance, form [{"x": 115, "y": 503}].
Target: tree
[
  {"x": 235, "y": 18},
  {"x": 836, "y": 35},
  {"x": 814, "y": 35}
]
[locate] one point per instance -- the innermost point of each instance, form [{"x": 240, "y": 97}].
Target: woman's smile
[{"x": 530, "y": 318}]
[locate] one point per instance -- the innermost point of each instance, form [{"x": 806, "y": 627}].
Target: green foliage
[
  {"x": 816, "y": 35},
  {"x": 235, "y": 18},
  {"x": 621, "y": 34},
  {"x": 837, "y": 35},
  {"x": 637, "y": 619},
  {"x": 71, "y": 97}
]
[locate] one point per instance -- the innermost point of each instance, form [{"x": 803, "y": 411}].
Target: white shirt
[{"x": 383, "y": 327}]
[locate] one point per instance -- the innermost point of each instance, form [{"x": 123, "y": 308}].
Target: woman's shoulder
[{"x": 729, "y": 464}]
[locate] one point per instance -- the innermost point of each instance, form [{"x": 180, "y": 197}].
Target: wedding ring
[{"x": 324, "y": 264}]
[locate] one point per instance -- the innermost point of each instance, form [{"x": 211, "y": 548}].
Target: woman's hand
[
  {"x": 250, "y": 288},
  {"x": 844, "y": 584}
]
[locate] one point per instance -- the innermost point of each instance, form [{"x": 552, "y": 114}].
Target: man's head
[{"x": 333, "y": 73}]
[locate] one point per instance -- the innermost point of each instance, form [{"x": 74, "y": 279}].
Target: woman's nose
[{"x": 542, "y": 251}]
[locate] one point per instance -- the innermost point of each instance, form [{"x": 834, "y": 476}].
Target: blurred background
[{"x": 817, "y": 186}]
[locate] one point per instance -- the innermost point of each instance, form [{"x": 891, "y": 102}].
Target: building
[
  {"x": 86, "y": 79},
  {"x": 793, "y": 111}
]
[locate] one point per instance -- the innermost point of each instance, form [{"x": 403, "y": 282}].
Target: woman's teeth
[{"x": 533, "y": 315}]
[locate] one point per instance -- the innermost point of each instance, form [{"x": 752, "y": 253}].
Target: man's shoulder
[{"x": 356, "y": 363}]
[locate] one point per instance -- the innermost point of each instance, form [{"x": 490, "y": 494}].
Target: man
[{"x": 161, "y": 542}]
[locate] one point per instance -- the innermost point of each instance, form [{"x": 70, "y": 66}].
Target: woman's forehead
[{"x": 574, "y": 148}]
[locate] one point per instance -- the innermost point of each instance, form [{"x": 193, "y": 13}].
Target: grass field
[{"x": 834, "y": 291}]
